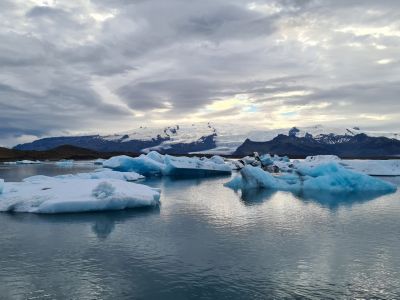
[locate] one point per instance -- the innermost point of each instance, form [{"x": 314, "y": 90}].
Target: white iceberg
[
  {"x": 374, "y": 167},
  {"x": 194, "y": 167},
  {"x": 98, "y": 174},
  {"x": 154, "y": 163},
  {"x": 99, "y": 161},
  {"x": 65, "y": 163},
  {"x": 72, "y": 195},
  {"x": 327, "y": 177},
  {"x": 28, "y": 162},
  {"x": 321, "y": 158}
]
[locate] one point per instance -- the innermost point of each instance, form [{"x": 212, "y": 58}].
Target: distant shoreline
[{"x": 77, "y": 153}]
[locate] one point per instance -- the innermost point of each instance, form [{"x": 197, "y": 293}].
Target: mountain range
[{"x": 233, "y": 140}]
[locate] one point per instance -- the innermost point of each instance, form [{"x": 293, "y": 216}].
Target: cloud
[{"x": 104, "y": 66}]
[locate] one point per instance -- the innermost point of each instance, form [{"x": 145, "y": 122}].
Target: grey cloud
[{"x": 81, "y": 65}]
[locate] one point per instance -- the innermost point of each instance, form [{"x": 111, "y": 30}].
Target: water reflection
[
  {"x": 102, "y": 223},
  {"x": 18, "y": 172},
  {"x": 331, "y": 200},
  {"x": 335, "y": 200},
  {"x": 255, "y": 196}
]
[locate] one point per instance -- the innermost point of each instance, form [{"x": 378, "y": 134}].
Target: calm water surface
[{"x": 205, "y": 241}]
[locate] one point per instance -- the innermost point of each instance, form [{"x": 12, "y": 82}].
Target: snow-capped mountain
[{"x": 228, "y": 139}]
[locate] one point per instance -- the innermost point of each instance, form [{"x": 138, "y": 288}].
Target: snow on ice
[
  {"x": 98, "y": 174},
  {"x": 75, "y": 195}
]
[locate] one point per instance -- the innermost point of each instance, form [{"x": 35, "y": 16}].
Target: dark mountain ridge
[{"x": 360, "y": 145}]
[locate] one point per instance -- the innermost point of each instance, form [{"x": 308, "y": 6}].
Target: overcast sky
[{"x": 81, "y": 66}]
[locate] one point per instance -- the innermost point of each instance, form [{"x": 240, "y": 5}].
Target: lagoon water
[{"x": 207, "y": 242}]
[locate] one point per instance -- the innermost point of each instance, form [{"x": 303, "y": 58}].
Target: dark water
[{"x": 206, "y": 242}]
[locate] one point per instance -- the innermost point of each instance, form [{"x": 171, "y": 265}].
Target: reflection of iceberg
[
  {"x": 103, "y": 226},
  {"x": 73, "y": 195},
  {"x": 256, "y": 196},
  {"x": 156, "y": 164},
  {"x": 101, "y": 223},
  {"x": 334, "y": 200},
  {"x": 328, "y": 177}
]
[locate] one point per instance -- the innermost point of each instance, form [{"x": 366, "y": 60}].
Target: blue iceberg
[
  {"x": 327, "y": 177},
  {"x": 154, "y": 163}
]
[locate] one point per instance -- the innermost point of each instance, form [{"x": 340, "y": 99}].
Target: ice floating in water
[
  {"x": 329, "y": 177},
  {"x": 99, "y": 161},
  {"x": 370, "y": 167},
  {"x": 65, "y": 163},
  {"x": 28, "y": 162},
  {"x": 1, "y": 186},
  {"x": 142, "y": 164},
  {"x": 321, "y": 158},
  {"x": 193, "y": 167},
  {"x": 98, "y": 174},
  {"x": 154, "y": 163},
  {"x": 72, "y": 195},
  {"x": 374, "y": 167}
]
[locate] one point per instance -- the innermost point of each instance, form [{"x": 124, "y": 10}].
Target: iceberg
[
  {"x": 73, "y": 195},
  {"x": 1, "y": 186},
  {"x": 28, "y": 162},
  {"x": 99, "y": 161},
  {"x": 143, "y": 164},
  {"x": 321, "y": 158},
  {"x": 327, "y": 177},
  {"x": 65, "y": 163},
  {"x": 154, "y": 163},
  {"x": 98, "y": 174},
  {"x": 374, "y": 167},
  {"x": 194, "y": 167}
]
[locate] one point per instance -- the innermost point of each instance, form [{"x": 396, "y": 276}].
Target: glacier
[
  {"x": 328, "y": 177},
  {"x": 155, "y": 163},
  {"x": 72, "y": 195}
]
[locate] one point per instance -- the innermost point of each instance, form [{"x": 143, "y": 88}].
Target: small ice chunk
[
  {"x": 217, "y": 159},
  {"x": 99, "y": 161},
  {"x": 28, "y": 162},
  {"x": 1, "y": 185},
  {"x": 142, "y": 164},
  {"x": 321, "y": 158}
]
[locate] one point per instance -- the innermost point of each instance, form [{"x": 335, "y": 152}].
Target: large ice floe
[
  {"x": 58, "y": 195},
  {"x": 154, "y": 163},
  {"x": 304, "y": 176},
  {"x": 97, "y": 174}
]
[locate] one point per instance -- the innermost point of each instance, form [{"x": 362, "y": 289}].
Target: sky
[{"x": 105, "y": 66}]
